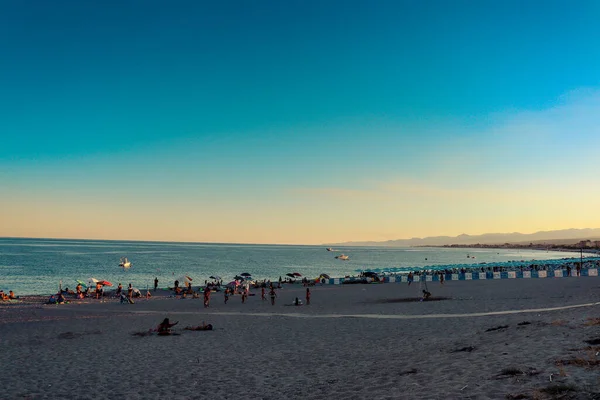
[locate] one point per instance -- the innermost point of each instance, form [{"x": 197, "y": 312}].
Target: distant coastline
[{"x": 551, "y": 247}]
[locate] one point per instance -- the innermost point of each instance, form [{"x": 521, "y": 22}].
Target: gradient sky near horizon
[{"x": 298, "y": 122}]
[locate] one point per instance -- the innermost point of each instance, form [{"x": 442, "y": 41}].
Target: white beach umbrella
[{"x": 184, "y": 280}]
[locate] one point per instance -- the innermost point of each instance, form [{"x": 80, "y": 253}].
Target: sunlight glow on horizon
[{"x": 287, "y": 126}]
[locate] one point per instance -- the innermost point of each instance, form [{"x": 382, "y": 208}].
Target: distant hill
[{"x": 563, "y": 236}]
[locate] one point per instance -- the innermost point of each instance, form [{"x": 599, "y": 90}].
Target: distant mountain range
[{"x": 552, "y": 237}]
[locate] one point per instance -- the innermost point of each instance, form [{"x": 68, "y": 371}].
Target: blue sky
[{"x": 229, "y": 106}]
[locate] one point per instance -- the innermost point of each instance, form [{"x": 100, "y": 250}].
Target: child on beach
[
  {"x": 226, "y": 295},
  {"x": 426, "y": 295},
  {"x": 262, "y": 293},
  {"x": 307, "y": 296},
  {"x": 244, "y": 295},
  {"x": 273, "y": 295}
]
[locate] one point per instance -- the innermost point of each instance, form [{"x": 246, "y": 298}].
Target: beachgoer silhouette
[
  {"x": 155, "y": 283},
  {"x": 273, "y": 295},
  {"x": 164, "y": 328},
  {"x": 307, "y": 296}
]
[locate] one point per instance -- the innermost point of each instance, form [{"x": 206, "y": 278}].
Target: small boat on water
[
  {"x": 124, "y": 263},
  {"x": 342, "y": 257},
  {"x": 329, "y": 249}
]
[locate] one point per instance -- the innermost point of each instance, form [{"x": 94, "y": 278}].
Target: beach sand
[{"x": 353, "y": 342}]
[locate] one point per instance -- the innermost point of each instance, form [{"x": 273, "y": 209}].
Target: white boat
[
  {"x": 342, "y": 257},
  {"x": 125, "y": 263},
  {"x": 329, "y": 249}
]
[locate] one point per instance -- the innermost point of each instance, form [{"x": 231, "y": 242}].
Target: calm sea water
[{"x": 36, "y": 266}]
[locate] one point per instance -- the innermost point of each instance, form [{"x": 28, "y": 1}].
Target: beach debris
[
  {"x": 510, "y": 372},
  {"x": 497, "y": 328},
  {"x": 558, "y": 390},
  {"x": 73, "y": 335},
  {"x": 593, "y": 342},
  {"x": 408, "y": 372},
  {"x": 67, "y": 335},
  {"x": 592, "y": 321},
  {"x": 467, "y": 349},
  {"x": 579, "y": 362},
  {"x": 524, "y": 323},
  {"x": 519, "y": 396}
]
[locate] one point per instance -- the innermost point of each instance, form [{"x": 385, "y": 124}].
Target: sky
[{"x": 297, "y": 122}]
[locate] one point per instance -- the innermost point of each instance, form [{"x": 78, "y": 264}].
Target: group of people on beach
[{"x": 10, "y": 296}]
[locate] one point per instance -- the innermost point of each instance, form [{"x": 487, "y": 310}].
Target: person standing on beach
[
  {"x": 273, "y": 295},
  {"x": 226, "y": 295},
  {"x": 130, "y": 292},
  {"x": 206, "y": 297},
  {"x": 119, "y": 289},
  {"x": 410, "y": 278},
  {"x": 244, "y": 295},
  {"x": 442, "y": 278},
  {"x": 578, "y": 269},
  {"x": 262, "y": 293},
  {"x": 307, "y": 296},
  {"x": 155, "y": 283}
]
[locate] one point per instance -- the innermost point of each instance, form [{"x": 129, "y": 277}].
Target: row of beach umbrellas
[
  {"x": 186, "y": 279},
  {"x": 521, "y": 263}
]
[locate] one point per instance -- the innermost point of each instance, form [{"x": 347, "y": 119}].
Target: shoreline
[{"x": 452, "y": 272}]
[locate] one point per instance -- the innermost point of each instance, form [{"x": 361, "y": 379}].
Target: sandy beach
[{"x": 490, "y": 339}]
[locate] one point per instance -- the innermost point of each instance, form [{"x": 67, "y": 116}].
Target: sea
[{"x": 41, "y": 266}]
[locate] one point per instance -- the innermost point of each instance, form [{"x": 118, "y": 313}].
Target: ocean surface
[{"x": 38, "y": 266}]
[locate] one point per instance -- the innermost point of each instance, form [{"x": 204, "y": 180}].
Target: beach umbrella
[
  {"x": 290, "y": 275},
  {"x": 215, "y": 277},
  {"x": 324, "y": 276},
  {"x": 245, "y": 274},
  {"x": 297, "y": 274},
  {"x": 238, "y": 278},
  {"x": 184, "y": 280},
  {"x": 105, "y": 283},
  {"x": 81, "y": 283}
]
